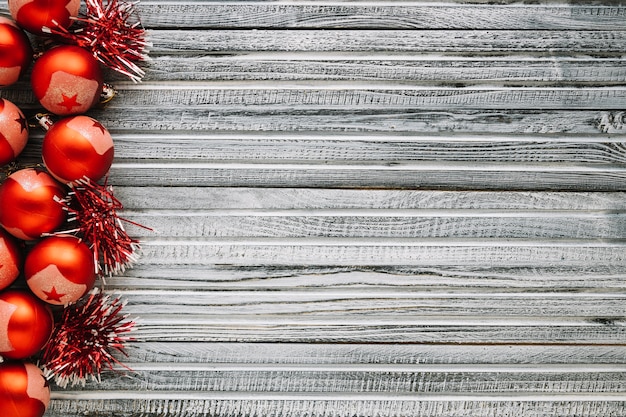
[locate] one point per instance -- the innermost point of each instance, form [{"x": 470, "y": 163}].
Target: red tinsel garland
[
  {"x": 84, "y": 338},
  {"x": 94, "y": 209}
]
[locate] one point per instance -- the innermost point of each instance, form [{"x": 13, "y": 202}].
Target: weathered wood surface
[{"x": 371, "y": 209}]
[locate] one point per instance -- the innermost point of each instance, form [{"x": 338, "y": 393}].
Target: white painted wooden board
[{"x": 371, "y": 209}]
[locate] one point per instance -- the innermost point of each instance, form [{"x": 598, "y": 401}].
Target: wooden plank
[
  {"x": 304, "y": 354},
  {"x": 325, "y": 305},
  {"x": 364, "y": 96},
  {"x": 385, "y": 15},
  {"x": 381, "y": 119},
  {"x": 430, "y": 70},
  {"x": 365, "y": 252},
  {"x": 367, "y": 148},
  {"x": 380, "y": 224},
  {"x": 340, "y": 379},
  {"x": 555, "y": 44},
  {"x": 180, "y": 404},
  {"x": 440, "y": 330},
  {"x": 564, "y": 278},
  {"x": 418, "y": 175},
  {"x": 208, "y": 198}
]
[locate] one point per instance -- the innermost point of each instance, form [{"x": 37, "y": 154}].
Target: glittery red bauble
[
  {"x": 16, "y": 52},
  {"x": 60, "y": 269},
  {"x": 13, "y": 131},
  {"x": 10, "y": 260},
  {"x": 27, "y": 204},
  {"x": 67, "y": 80},
  {"x": 77, "y": 147},
  {"x": 24, "y": 392},
  {"x": 25, "y": 324},
  {"x": 34, "y": 15}
]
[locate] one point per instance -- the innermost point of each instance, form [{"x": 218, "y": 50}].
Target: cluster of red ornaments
[{"x": 58, "y": 267}]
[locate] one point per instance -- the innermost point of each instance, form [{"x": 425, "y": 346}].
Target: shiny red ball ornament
[
  {"x": 10, "y": 260},
  {"x": 26, "y": 324},
  {"x": 13, "y": 131},
  {"x": 29, "y": 204},
  {"x": 67, "y": 80},
  {"x": 16, "y": 53},
  {"x": 60, "y": 269},
  {"x": 24, "y": 392},
  {"x": 77, "y": 147},
  {"x": 35, "y": 15}
]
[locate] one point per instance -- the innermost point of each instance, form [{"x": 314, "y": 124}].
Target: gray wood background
[{"x": 391, "y": 208}]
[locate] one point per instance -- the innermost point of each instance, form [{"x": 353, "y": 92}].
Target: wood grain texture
[
  {"x": 194, "y": 405},
  {"x": 388, "y": 44},
  {"x": 384, "y": 15},
  {"x": 361, "y": 209}
]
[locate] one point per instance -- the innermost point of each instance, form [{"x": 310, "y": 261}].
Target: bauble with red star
[
  {"x": 13, "y": 131},
  {"x": 77, "y": 147},
  {"x": 60, "y": 269},
  {"x": 67, "y": 80}
]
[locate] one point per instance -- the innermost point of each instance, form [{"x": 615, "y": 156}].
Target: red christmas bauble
[
  {"x": 10, "y": 260},
  {"x": 60, "y": 269},
  {"x": 67, "y": 80},
  {"x": 77, "y": 147},
  {"x": 25, "y": 324},
  {"x": 24, "y": 392},
  {"x": 13, "y": 131},
  {"x": 16, "y": 53},
  {"x": 27, "y": 204},
  {"x": 34, "y": 15}
]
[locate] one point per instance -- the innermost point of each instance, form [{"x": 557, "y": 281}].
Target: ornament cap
[
  {"x": 44, "y": 120},
  {"x": 108, "y": 93}
]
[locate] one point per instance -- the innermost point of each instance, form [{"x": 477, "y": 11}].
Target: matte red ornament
[
  {"x": 60, "y": 269},
  {"x": 77, "y": 147},
  {"x": 29, "y": 204},
  {"x": 25, "y": 324},
  {"x": 13, "y": 131},
  {"x": 24, "y": 392},
  {"x": 10, "y": 259},
  {"x": 67, "y": 80},
  {"x": 35, "y": 15},
  {"x": 16, "y": 53}
]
